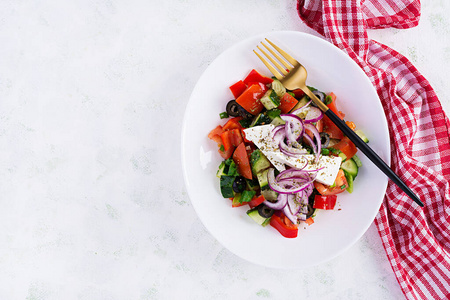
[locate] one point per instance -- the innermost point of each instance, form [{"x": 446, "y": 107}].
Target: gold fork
[{"x": 293, "y": 75}]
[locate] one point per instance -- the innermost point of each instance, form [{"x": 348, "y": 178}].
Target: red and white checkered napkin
[{"x": 416, "y": 240}]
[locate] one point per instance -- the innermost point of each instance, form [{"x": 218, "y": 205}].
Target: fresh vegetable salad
[{"x": 282, "y": 157}]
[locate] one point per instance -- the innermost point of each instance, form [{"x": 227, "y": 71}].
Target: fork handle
[{"x": 372, "y": 155}]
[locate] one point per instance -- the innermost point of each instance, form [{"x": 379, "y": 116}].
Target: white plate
[{"x": 330, "y": 70}]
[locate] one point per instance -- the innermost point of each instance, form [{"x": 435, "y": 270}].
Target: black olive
[
  {"x": 243, "y": 113},
  {"x": 311, "y": 211},
  {"x": 233, "y": 108},
  {"x": 265, "y": 211},
  {"x": 324, "y": 139},
  {"x": 239, "y": 184},
  {"x": 320, "y": 95}
]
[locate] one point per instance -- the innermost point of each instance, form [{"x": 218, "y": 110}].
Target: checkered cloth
[{"x": 416, "y": 240}]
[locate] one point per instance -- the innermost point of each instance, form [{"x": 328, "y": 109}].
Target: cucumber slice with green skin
[
  {"x": 260, "y": 119},
  {"x": 252, "y": 184},
  {"x": 350, "y": 167},
  {"x": 362, "y": 135},
  {"x": 279, "y": 88},
  {"x": 269, "y": 194},
  {"x": 357, "y": 161},
  {"x": 258, "y": 161},
  {"x": 278, "y": 121},
  {"x": 254, "y": 214},
  {"x": 226, "y": 186},
  {"x": 350, "y": 179},
  {"x": 262, "y": 179},
  {"x": 270, "y": 100},
  {"x": 222, "y": 169}
]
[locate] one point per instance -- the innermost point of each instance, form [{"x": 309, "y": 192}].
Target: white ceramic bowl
[{"x": 330, "y": 70}]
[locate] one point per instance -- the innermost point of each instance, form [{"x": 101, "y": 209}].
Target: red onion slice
[
  {"x": 301, "y": 109},
  {"x": 314, "y": 114},
  {"x": 280, "y": 204}
]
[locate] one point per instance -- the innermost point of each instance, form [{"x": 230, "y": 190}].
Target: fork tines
[{"x": 288, "y": 61}]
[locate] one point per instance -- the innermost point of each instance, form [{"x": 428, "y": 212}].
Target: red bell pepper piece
[
  {"x": 254, "y": 76},
  {"x": 242, "y": 162},
  {"x": 216, "y": 131},
  {"x": 238, "y": 88},
  {"x": 309, "y": 221},
  {"x": 287, "y": 103},
  {"x": 256, "y": 201},
  {"x": 284, "y": 226},
  {"x": 325, "y": 202},
  {"x": 249, "y": 99}
]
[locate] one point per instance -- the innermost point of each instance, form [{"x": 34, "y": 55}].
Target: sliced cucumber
[
  {"x": 270, "y": 100},
  {"x": 362, "y": 135},
  {"x": 302, "y": 102},
  {"x": 262, "y": 179},
  {"x": 278, "y": 121},
  {"x": 260, "y": 119},
  {"x": 226, "y": 186},
  {"x": 254, "y": 214},
  {"x": 269, "y": 194},
  {"x": 357, "y": 161},
  {"x": 252, "y": 184},
  {"x": 258, "y": 161},
  {"x": 221, "y": 171},
  {"x": 350, "y": 167},
  {"x": 279, "y": 88},
  {"x": 343, "y": 156},
  {"x": 350, "y": 180}
]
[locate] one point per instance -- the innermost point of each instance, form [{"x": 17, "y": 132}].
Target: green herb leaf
[{"x": 223, "y": 115}]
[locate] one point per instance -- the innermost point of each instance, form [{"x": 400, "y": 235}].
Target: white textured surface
[{"x": 93, "y": 206}]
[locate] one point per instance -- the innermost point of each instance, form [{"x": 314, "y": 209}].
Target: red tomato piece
[
  {"x": 347, "y": 147},
  {"x": 216, "y": 131},
  {"x": 226, "y": 154},
  {"x": 238, "y": 88},
  {"x": 236, "y": 137},
  {"x": 333, "y": 106},
  {"x": 339, "y": 186},
  {"x": 226, "y": 140},
  {"x": 254, "y": 76},
  {"x": 232, "y": 123},
  {"x": 287, "y": 103},
  {"x": 284, "y": 226},
  {"x": 256, "y": 201},
  {"x": 329, "y": 127},
  {"x": 249, "y": 99},
  {"x": 325, "y": 202},
  {"x": 298, "y": 93},
  {"x": 242, "y": 162},
  {"x": 309, "y": 221}
]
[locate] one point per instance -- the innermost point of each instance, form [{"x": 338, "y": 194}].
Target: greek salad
[{"x": 282, "y": 157}]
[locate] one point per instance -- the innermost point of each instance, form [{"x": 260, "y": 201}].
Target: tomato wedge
[
  {"x": 329, "y": 127},
  {"x": 232, "y": 123},
  {"x": 284, "y": 226},
  {"x": 242, "y": 162},
  {"x": 347, "y": 147},
  {"x": 226, "y": 154},
  {"x": 325, "y": 202},
  {"x": 339, "y": 186},
  {"x": 216, "y": 131},
  {"x": 287, "y": 103},
  {"x": 256, "y": 201},
  {"x": 333, "y": 106}
]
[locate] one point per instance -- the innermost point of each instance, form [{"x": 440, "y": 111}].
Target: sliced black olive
[
  {"x": 239, "y": 184},
  {"x": 232, "y": 108},
  {"x": 324, "y": 139},
  {"x": 265, "y": 211},
  {"x": 311, "y": 211},
  {"x": 243, "y": 113},
  {"x": 320, "y": 95}
]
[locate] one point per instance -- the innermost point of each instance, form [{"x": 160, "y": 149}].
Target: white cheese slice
[{"x": 260, "y": 136}]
